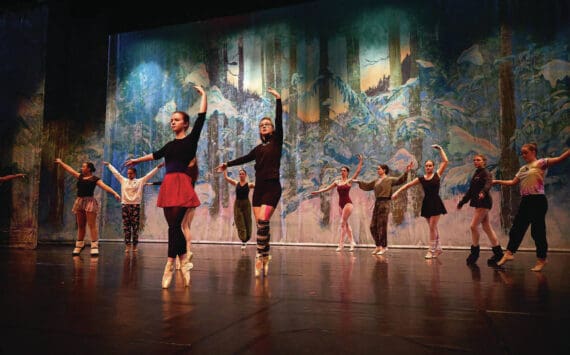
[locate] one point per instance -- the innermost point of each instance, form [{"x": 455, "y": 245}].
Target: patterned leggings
[{"x": 131, "y": 222}]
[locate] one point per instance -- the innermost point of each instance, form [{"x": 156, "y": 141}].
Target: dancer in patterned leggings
[
  {"x": 267, "y": 193},
  {"x": 242, "y": 206}
]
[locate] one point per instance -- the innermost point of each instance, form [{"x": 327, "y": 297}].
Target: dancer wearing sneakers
[
  {"x": 478, "y": 196},
  {"x": 242, "y": 206},
  {"x": 267, "y": 193},
  {"x": 343, "y": 186},
  {"x": 86, "y": 206},
  {"x": 432, "y": 205},
  {"x": 533, "y": 205},
  {"x": 177, "y": 196},
  {"x": 382, "y": 191},
  {"x": 131, "y": 199}
]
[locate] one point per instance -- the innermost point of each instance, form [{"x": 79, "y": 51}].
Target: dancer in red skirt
[
  {"x": 267, "y": 193},
  {"x": 176, "y": 195}
]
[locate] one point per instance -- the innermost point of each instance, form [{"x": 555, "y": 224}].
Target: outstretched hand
[
  {"x": 160, "y": 165},
  {"x": 58, "y": 161},
  {"x": 273, "y": 92},
  {"x": 409, "y": 166},
  {"x": 436, "y": 146},
  {"x": 221, "y": 167},
  {"x": 106, "y": 163},
  {"x": 130, "y": 162}
]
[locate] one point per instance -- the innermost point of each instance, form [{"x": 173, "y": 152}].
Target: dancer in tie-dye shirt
[{"x": 533, "y": 206}]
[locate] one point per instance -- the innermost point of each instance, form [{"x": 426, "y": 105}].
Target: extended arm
[
  {"x": 10, "y": 177},
  {"x": 152, "y": 172},
  {"x": 67, "y": 168},
  {"x": 405, "y": 187},
  {"x": 114, "y": 171},
  {"x": 242, "y": 160},
  {"x": 512, "y": 182},
  {"x": 560, "y": 159},
  {"x": 325, "y": 189},
  {"x": 278, "y": 114},
  {"x": 135, "y": 161},
  {"x": 105, "y": 187}
]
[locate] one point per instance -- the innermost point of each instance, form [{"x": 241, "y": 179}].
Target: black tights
[{"x": 176, "y": 240}]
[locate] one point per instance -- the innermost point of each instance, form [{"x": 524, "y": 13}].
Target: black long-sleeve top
[
  {"x": 179, "y": 152},
  {"x": 267, "y": 155},
  {"x": 480, "y": 182}
]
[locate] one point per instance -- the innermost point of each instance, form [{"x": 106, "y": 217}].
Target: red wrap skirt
[{"x": 176, "y": 191}]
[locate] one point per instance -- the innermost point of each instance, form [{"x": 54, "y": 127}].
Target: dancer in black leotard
[
  {"x": 176, "y": 194},
  {"x": 432, "y": 205},
  {"x": 267, "y": 193}
]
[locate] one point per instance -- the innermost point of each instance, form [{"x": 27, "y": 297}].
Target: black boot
[
  {"x": 497, "y": 255},
  {"x": 472, "y": 258}
]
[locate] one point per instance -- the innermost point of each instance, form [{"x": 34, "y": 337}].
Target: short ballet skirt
[
  {"x": 176, "y": 191},
  {"x": 85, "y": 204},
  {"x": 433, "y": 207}
]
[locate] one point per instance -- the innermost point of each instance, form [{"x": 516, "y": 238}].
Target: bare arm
[
  {"x": 135, "y": 161},
  {"x": 405, "y": 187},
  {"x": 204, "y": 100},
  {"x": 229, "y": 179},
  {"x": 358, "y": 168},
  {"x": 67, "y": 168},
  {"x": 560, "y": 159},
  {"x": 152, "y": 172},
  {"x": 252, "y": 185},
  {"x": 444, "y": 159},
  {"x": 10, "y": 177},
  {"x": 331, "y": 186},
  {"x": 512, "y": 182},
  {"x": 105, "y": 187}
]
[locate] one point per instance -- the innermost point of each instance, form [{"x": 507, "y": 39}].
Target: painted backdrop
[{"x": 386, "y": 82}]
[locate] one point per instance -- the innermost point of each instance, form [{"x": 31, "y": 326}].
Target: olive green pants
[{"x": 242, "y": 219}]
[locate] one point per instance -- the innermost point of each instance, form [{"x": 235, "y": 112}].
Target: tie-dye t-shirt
[{"x": 531, "y": 177}]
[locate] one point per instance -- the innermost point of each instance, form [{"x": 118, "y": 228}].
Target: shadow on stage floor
[{"x": 314, "y": 301}]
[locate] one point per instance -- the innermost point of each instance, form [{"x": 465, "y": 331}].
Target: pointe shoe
[
  {"x": 95, "y": 248},
  {"x": 134, "y": 248},
  {"x": 506, "y": 257},
  {"x": 266, "y": 260},
  {"x": 177, "y": 263},
  {"x": 540, "y": 264},
  {"x": 185, "y": 268},
  {"x": 258, "y": 265},
  {"x": 79, "y": 245},
  {"x": 127, "y": 248},
  {"x": 352, "y": 245},
  {"x": 437, "y": 253},
  {"x": 167, "y": 276},
  {"x": 339, "y": 248},
  {"x": 243, "y": 246},
  {"x": 375, "y": 251},
  {"x": 382, "y": 251},
  {"x": 429, "y": 255}
]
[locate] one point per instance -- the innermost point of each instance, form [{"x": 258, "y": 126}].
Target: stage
[{"x": 314, "y": 301}]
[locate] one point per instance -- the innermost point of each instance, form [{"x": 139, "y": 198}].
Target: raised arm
[
  {"x": 152, "y": 172},
  {"x": 405, "y": 187},
  {"x": 229, "y": 179},
  {"x": 278, "y": 114},
  {"x": 358, "y": 168},
  {"x": 114, "y": 171},
  {"x": 444, "y": 159},
  {"x": 330, "y": 187},
  {"x": 203, "y": 100},
  {"x": 10, "y": 177},
  {"x": 67, "y": 168},
  {"x": 135, "y": 161},
  {"x": 105, "y": 187},
  {"x": 560, "y": 159}
]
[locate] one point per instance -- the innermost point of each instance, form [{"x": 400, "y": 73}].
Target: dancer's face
[
  {"x": 177, "y": 123},
  {"x": 381, "y": 171},
  {"x": 131, "y": 174},
  {"x": 85, "y": 169},
  {"x": 343, "y": 173},
  {"x": 528, "y": 155},
  {"x": 242, "y": 176},
  {"x": 478, "y": 162},
  {"x": 265, "y": 127},
  {"x": 428, "y": 167}
]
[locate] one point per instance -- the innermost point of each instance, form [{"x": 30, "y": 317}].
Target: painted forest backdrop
[{"x": 383, "y": 81}]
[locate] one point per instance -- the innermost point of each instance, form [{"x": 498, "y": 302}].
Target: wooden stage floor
[{"x": 315, "y": 301}]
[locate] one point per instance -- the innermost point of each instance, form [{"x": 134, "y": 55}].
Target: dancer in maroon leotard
[{"x": 345, "y": 203}]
